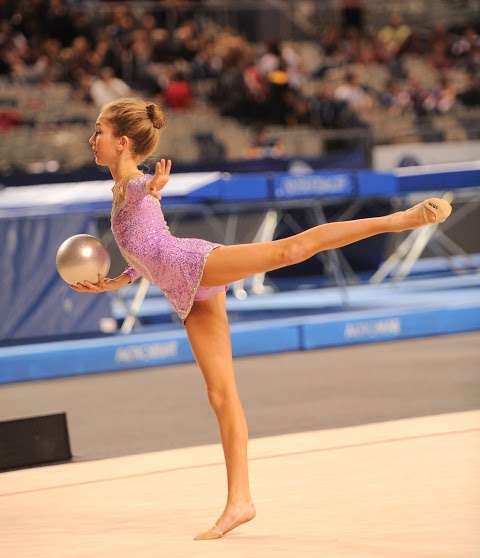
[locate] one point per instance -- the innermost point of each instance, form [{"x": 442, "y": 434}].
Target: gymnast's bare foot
[
  {"x": 427, "y": 212},
  {"x": 233, "y": 515}
]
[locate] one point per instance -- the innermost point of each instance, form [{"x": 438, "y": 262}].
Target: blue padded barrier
[
  {"x": 49, "y": 360},
  {"x": 69, "y": 358},
  {"x": 244, "y": 187},
  {"x": 424, "y": 181},
  {"x": 259, "y": 338},
  {"x": 383, "y": 325},
  {"x": 206, "y": 193},
  {"x": 138, "y": 350},
  {"x": 381, "y": 184}
]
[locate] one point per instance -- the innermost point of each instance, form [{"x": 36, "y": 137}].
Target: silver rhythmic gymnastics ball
[{"x": 82, "y": 257}]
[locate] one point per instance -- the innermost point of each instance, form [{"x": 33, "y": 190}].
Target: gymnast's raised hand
[{"x": 160, "y": 178}]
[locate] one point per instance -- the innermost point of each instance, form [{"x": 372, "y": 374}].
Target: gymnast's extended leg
[
  {"x": 227, "y": 264},
  {"x": 209, "y": 336}
]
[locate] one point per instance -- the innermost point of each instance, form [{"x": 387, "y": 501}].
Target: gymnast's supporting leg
[
  {"x": 227, "y": 264},
  {"x": 209, "y": 336}
]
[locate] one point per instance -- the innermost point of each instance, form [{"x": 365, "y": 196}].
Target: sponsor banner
[{"x": 315, "y": 185}]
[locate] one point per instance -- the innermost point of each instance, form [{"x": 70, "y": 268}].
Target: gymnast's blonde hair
[{"x": 139, "y": 120}]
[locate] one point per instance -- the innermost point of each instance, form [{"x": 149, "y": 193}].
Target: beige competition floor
[{"x": 403, "y": 488}]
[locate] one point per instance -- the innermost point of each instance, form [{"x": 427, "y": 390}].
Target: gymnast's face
[{"x": 107, "y": 148}]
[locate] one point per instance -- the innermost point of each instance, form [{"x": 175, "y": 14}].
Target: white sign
[{"x": 389, "y": 157}]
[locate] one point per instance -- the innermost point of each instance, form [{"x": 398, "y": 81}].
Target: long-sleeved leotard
[{"x": 174, "y": 264}]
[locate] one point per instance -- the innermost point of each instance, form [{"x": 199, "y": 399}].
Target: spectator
[
  {"x": 270, "y": 61},
  {"x": 423, "y": 98},
  {"x": 178, "y": 93},
  {"x": 395, "y": 98},
  {"x": 203, "y": 65},
  {"x": 464, "y": 45},
  {"x": 77, "y": 57},
  {"x": 438, "y": 56},
  {"x": 230, "y": 93},
  {"x": 186, "y": 41},
  {"x": 137, "y": 67},
  {"x": 328, "y": 112},
  {"x": 104, "y": 55},
  {"x": 45, "y": 67},
  {"x": 210, "y": 148},
  {"x": 162, "y": 48},
  {"x": 446, "y": 96},
  {"x": 352, "y": 92},
  {"x": 394, "y": 35},
  {"x": 263, "y": 145},
  {"x": 122, "y": 25},
  {"x": 57, "y": 23},
  {"x": 83, "y": 87},
  {"x": 9, "y": 119},
  {"x": 277, "y": 102},
  {"x": 107, "y": 88},
  {"x": 470, "y": 97},
  {"x": 294, "y": 67},
  {"x": 256, "y": 85},
  {"x": 299, "y": 108},
  {"x": 352, "y": 13}
]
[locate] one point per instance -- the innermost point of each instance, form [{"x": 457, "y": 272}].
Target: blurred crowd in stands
[{"x": 113, "y": 53}]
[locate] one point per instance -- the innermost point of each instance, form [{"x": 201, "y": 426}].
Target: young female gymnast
[{"x": 193, "y": 273}]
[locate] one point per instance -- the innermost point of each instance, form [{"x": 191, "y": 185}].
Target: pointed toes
[
  {"x": 446, "y": 209},
  {"x": 208, "y": 535},
  {"x": 443, "y": 209},
  {"x": 439, "y": 209}
]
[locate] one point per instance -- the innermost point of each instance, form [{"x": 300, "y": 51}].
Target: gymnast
[{"x": 194, "y": 273}]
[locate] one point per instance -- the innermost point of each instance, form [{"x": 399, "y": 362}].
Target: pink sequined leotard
[{"x": 174, "y": 264}]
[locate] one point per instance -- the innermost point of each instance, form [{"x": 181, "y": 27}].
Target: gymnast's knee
[{"x": 222, "y": 398}]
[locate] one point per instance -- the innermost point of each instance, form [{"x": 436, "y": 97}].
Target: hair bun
[{"x": 156, "y": 115}]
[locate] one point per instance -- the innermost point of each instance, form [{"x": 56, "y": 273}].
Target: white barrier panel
[
  {"x": 389, "y": 157},
  {"x": 93, "y": 191}
]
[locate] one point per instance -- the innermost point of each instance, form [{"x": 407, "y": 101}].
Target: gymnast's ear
[{"x": 124, "y": 142}]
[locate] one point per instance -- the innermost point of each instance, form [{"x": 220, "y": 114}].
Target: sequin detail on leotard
[{"x": 174, "y": 264}]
